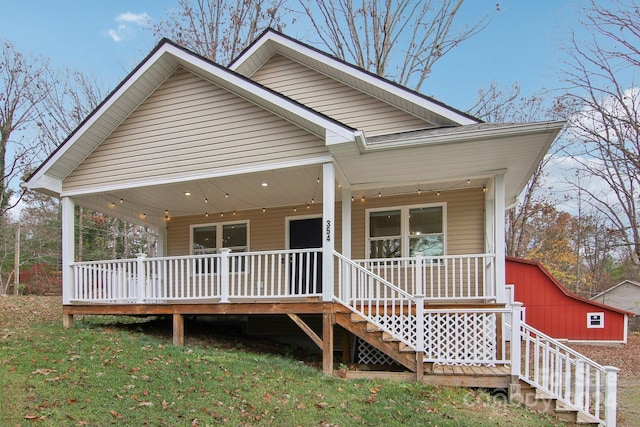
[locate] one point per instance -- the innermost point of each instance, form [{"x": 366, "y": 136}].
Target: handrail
[
  {"x": 562, "y": 373},
  {"x": 379, "y": 301}
]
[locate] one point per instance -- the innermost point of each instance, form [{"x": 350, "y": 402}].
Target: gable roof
[
  {"x": 630, "y": 282},
  {"x": 272, "y": 42},
  {"x": 142, "y": 81}
]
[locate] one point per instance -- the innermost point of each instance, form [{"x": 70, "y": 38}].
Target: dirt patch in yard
[{"x": 627, "y": 359}]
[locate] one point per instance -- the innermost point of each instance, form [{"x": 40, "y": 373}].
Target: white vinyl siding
[
  {"x": 190, "y": 126},
  {"x": 335, "y": 99}
]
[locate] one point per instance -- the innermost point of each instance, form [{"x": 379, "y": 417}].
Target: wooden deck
[{"x": 458, "y": 376}]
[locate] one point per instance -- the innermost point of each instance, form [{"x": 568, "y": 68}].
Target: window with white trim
[
  {"x": 210, "y": 238},
  {"x": 407, "y": 230},
  {"x": 595, "y": 320}
]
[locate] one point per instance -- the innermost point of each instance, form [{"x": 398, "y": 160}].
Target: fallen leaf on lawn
[
  {"x": 115, "y": 414},
  {"x": 30, "y": 417}
]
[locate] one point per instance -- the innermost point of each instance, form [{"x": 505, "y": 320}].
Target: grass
[{"x": 100, "y": 374}]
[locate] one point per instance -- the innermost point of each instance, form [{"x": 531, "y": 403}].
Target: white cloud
[
  {"x": 127, "y": 25},
  {"x": 140, "y": 19}
]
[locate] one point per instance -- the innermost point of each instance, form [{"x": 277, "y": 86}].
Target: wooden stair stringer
[{"x": 377, "y": 339}]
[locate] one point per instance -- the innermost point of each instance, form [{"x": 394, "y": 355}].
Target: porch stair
[
  {"x": 383, "y": 341},
  {"x": 538, "y": 401}
]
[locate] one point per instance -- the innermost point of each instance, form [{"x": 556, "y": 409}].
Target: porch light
[
  {"x": 419, "y": 191},
  {"x": 379, "y": 195},
  {"x": 206, "y": 214},
  {"x": 438, "y": 193},
  {"x": 226, "y": 196},
  {"x": 206, "y": 200},
  {"x": 308, "y": 206},
  {"x": 187, "y": 193},
  {"x": 121, "y": 201},
  {"x": 144, "y": 215},
  {"x": 264, "y": 184},
  {"x": 112, "y": 204},
  {"x": 362, "y": 199},
  {"x": 264, "y": 210},
  {"x": 468, "y": 181},
  {"x": 484, "y": 189}
]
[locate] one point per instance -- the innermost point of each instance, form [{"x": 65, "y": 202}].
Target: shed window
[{"x": 595, "y": 320}]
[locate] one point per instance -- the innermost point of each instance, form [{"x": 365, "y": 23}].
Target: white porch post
[
  {"x": 68, "y": 248},
  {"x": 345, "y": 292},
  {"x": 162, "y": 242},
  {"x": 499, "y": 236},
  {"x": 328, "y": 229}
]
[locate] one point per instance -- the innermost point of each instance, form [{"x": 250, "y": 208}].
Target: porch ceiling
[{"x": 291, "y": 187}]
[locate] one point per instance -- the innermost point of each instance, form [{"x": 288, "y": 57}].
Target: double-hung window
[
  {"x": 210, "y": 238},
  {"x": 406, "y": 231}
]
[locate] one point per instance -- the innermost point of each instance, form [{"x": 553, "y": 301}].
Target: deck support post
[
  {"x": 328, "y": 229},
  {"x": 327, "y": 342},
  {"x": 419, "y": 366},
  {"x": 178, "y": 330},
  {"x": 67, "y": 320}
]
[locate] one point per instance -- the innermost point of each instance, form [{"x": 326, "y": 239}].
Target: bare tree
[
  {"x": 219, "y": 29},
  {"x": 22, "y": 87},
  {"x": 72, "y": 95},
  {"x": 606, "y": 129},
  {"x": 397, "y": 39},
  {"x": 500, "y": 104}
]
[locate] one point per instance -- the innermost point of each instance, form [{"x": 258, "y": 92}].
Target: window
[
  {"x": 405, "y": 231},
  {"x": 595, "y": 320},
  {"x": 210, "y": 238}
]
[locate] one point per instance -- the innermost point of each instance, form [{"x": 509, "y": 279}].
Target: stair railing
[
  {"x": 562, "y": 373},
  {"x": 381, "y": 303}
]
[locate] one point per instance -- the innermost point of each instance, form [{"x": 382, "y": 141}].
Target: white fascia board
[
  {"x": 470, "y": 135},
  {"x": 46, "y": 184}
]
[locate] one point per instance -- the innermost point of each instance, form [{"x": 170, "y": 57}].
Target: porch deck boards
[{"x": 453, "y": 376}]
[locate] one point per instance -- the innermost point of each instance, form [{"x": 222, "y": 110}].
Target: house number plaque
[{"x": 328, "y": 230}]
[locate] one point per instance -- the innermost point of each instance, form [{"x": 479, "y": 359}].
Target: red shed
[{"x": 559, "y": 313}]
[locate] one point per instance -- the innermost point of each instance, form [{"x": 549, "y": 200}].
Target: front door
[{"x": 305, "y": 269}]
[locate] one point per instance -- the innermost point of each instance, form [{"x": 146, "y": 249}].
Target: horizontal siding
[
  {"x": 335, "y": 99},
  {"x": 465, "y": 223},
  {"x": 189, "y": 126}
]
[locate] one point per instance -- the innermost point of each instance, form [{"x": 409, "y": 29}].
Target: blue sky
[{"x": 107, "y": 38}]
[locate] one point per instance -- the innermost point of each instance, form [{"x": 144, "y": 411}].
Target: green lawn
[{"x": 97, "y": 374}]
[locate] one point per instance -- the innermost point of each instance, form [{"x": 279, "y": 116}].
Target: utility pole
[{"x": 16, "y": 262}]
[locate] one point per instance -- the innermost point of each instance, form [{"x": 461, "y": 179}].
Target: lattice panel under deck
[
  {"x": 460, "y": 338},
  {"x": 369, "y": 355}
]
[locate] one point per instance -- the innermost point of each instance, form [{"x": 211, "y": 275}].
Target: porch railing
[
  {"x": 562, "y": 373},
  {"x": 460, "y": 277},
  {"x": 257, "y": 275},
  {"x": 448, "y": 336}
]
